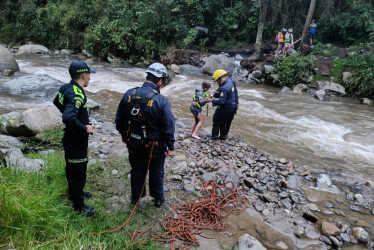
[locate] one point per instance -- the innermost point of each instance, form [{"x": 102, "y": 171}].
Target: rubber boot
[{"x": 215, "y": 132}]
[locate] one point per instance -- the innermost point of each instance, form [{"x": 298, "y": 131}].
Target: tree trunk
[
  {"x": 307, "y": 21},
  {"x": 261, "y": 24}
]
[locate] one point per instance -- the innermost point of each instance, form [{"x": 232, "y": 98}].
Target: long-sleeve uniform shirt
[
  {"x": 72, "y": 103},
  {"x": 226, "y": 95}
]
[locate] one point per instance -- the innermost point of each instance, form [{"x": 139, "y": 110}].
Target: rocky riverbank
[{"x": 307, "y": 211}]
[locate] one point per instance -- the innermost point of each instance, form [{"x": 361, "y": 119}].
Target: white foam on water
[
  {"x": 252, "y": 93},
  {"x": 320, "y": 136}
]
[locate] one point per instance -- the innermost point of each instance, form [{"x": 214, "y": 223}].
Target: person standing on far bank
[
  {"x": 227, "y": 102},
  {"x": 71, "y": 100},
  {"x": 312, "y": 31},
  {"x": 147, "y": 125}
]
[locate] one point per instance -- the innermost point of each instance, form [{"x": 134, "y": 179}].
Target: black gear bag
[{"x": 136, "y": 135}]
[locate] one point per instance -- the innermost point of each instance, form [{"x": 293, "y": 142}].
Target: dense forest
[{"x": 149, "y": 28}]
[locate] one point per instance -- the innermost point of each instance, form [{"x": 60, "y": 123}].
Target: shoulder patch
[
  {"x": 78, "y": 104},
  {"x": 222, "y": 94}
]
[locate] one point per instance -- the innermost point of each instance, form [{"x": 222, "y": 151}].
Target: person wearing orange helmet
[{"x": 227, "y": 102}]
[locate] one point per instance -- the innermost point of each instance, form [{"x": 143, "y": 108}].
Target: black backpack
[{"x": 136, "y": 136}]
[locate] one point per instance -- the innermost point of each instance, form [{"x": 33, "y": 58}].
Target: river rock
[
  {"x": 7, "y": 141},
  {"x": 257, "y": 74},
  {"x": 268, "y": 69},
  {"x": 366, "y": 101},
  {"x": 329, "y": 229},
  {"x": 320, "y": 94},
  {"x": 360, "y": 234},
  {"x": 7, "y": 61},
  {"x": 15, "y": 159},
  {"x": 331, "y": 87},
  {"x": 186, "y": 69},
  {"x": 41, "y": 87},
  {"x": 32, "y": 49},
  {"x": 35, "y": 120},
  {"x": 248, "y": 242},
  {"x": 221, "y": 61}
]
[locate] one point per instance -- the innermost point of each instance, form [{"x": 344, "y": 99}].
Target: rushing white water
[{"x": 324, "y": 135}]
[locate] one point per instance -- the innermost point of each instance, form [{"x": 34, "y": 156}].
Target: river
[{"x": 331, "y": 137}]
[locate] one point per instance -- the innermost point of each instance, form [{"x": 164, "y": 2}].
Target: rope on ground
[
  {"x": 187, "y": 220},
  {"x": 137, "y": 202}
]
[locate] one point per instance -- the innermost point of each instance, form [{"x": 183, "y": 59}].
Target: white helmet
[
  {"x": 290, "y": 30},
  {"x": 158, "y": 70}
]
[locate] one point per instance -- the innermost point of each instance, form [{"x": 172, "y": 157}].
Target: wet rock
[
  {"x": 346, "y": 239},
  {"x": 310, "y": 216},
  {"x": 248, "y": 242},
  {"x": 360, "y": 234},
  {"x": 325, "y": 240},
  {"x": 359, "y": 199},
  {"x": 329, "y": 205},
  {"x": 349, "y": 196},
  {"x": 299, "y": 231},
  {"x": 355, "y": 208},
  {"x": 313, "y": 207},
  {"x": 281, "y": 245},
  {"x": 335, "y": 242},
  {"x": 329, "y": 229}
]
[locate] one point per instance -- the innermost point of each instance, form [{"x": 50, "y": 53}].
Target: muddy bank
[{"x": 288, "y": 206}]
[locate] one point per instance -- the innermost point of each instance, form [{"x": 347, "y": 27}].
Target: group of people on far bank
[
  {"x": 146, "y": 123},
  {"x": 285, "y": 39}
]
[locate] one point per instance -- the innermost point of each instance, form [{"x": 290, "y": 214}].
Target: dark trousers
[
  {"x": 76, "y": 167},
  {"x": 139, "y": 162},
  {"x": 222, "y": 119}
]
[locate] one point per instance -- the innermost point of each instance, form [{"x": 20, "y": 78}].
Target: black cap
[{"x": 80, "y": 67}]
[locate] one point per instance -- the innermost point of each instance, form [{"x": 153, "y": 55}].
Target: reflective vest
[{"x": 280, "y": 37}]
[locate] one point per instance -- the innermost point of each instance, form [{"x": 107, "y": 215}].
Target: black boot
[{"x": 215, "y": 132}]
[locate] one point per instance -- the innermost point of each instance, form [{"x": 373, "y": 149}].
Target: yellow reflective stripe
[
  {"x": 61, "y": 98},
  {"x": 198, "y": 105},
  {"x": 77, "y": 160},
  {"x": 78, "y": 98},
  {"x": 78, "y": 91}
]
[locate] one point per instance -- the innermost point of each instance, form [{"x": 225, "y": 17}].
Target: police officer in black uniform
[
  {"x": 158, "y": 131},
  {"x": 227, "y": 102},
  {"x": 72, "y": 102}
]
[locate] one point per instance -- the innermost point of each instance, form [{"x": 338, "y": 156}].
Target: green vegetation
[
  {"x": 147, "y": 28},
  {"x": 48, "y": 139},
  {"x": 36, "y": 214},
  {"x": 362, "y": 68},
  {"x": 294, "y": 69},
  {"x": 324, "y": 50}
]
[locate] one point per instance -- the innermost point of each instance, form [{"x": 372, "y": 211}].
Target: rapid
[{"x": 328, "y": 137}]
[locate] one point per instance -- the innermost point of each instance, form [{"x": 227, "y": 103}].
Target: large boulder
[
  {"x": 186, "y": 69},
  {"x": 7, "y": 61},
  {"x": 32, "y": 49},
  {"x": 252, "y": 61},
  {"x": 221, "y": 61},
  {"x": 33, "y": 86},
  {"x": 331, "y": 88},
  {"x": 34, "y": 121}
]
